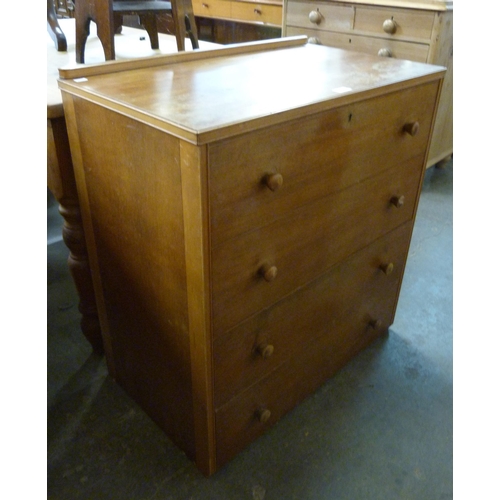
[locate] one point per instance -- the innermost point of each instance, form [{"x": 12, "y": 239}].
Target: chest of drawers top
[{"x": 210, "y": 95}]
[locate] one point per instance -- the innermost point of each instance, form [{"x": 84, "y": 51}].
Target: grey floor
[{"x": 380, "y": 429}]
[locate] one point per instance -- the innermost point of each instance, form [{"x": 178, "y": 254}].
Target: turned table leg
[{"x": 61, "y": 182}]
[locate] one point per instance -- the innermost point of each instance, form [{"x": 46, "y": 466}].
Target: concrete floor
[{"x": 380, "y": 429}]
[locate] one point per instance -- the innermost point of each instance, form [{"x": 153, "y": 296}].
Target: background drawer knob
[
  {"x": 314, "y": 40},
  {"x": 263, "y": 415},
  {"x": 265, "y": 350},
  {"x": 389, "y": 26},
  {"x": 412, "y": 128},
  {"x": 398, "y": 201},
  {"x": 387, "y": 268},
  {"x": 376, "y": 324},
  {"x": 315, "y": 16},
  {"x": 273, "y": 181},
  {"x": 385, "y": 53},
  {"x": 269, "y": 272}
]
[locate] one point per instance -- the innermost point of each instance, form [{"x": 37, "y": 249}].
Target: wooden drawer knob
[
  {"x": 389, "y": 26},
  {"x": 376, "y": 323},
  {"x": 269, "y": 272},
  {"x": 385, "y": 53},
  {"x": 273, "y": 181},
  {"x": 412, "y": 128},
  {"x": 314, "y": 40},
  {"x": 257, "y": 11},
  {"x": 315, "y": 16},
  {"x": 398, "y": 201},
  {"x": 263, "y": 415},
  {"x": 387, "y": 268},
  {"x": 265, "y": 350}
]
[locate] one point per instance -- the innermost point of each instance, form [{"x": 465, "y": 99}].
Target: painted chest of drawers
[
  {"x": 417, "y": 30},
  {"x": 245, "y": 241}
]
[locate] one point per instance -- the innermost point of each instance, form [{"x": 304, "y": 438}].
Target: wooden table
[
  {"x": 247, "y": 240},
  {"x": 131, "y": 43}
]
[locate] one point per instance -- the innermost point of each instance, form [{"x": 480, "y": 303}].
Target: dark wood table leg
[{"x": 61, "y": 182}]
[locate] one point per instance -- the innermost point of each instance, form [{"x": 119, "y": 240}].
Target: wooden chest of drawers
[
  {"x": 245, "y": 241},
  {"x": 417, "y": 30}
]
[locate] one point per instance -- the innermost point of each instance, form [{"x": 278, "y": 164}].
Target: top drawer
[
  {"x": 212, "y": 8},
  {"x": 257, "y": 12},
  {"x": 312, "y": 158},
  {"x": 320, "y": 15},
  {"x": 394, "y": 23}
]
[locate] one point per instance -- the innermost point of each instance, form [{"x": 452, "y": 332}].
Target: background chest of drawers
[
  {"x": 245, "y": 242},
  {"x": 417, "y": 30}
]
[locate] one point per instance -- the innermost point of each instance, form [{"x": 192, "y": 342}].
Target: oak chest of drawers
[
  {"x": 417, "y": 30},
  {"x": 245, "y": 241}
]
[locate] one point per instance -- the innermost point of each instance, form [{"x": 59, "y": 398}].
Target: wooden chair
[
  {"x": 108, "y": 16},
  {"x": 54, "y": 29}
]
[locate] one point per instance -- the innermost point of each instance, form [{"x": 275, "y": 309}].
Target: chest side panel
[{"x": 132, "y": 178}]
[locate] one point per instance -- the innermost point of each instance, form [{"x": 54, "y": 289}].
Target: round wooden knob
[
  {"x": 376, "y": 323},
  {"x": 315, "y": 16},
  {"x": 387, "y": 268},
  {"x": 412, "y": 128},
  {"x": 314, "y": 40},
  {"x": 398, "y": 201},
  {"x": 265, "y": 350},
  {"x": 269, "y": 272},
  {"x": 389, "y": 26},
  {"x": 263, "y": 415},
  {"x": 385, "y": 53},
  {"x": 257, "y": 11},
  {"x": 273, "y": 181}
]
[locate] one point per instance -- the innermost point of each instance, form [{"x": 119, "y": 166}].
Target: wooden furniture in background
[
  {"x": 246, "y": 11},
  {"x": 418, "y": 30},
  {"x": 61, "y": 182},
  {"x": 246, "y": 239},
  {"x": 53, "y": 28},
  {"x": 108, "y": 16},
  {"x": 235, "y": 21}
]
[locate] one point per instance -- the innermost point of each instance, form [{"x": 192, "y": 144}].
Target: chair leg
[
  {"x": 118, "y": 20},
  {"x": 82, "y": 30},
  {"x": 148, "y": 21},
  {"x": 101, "y": 12},
  {"x": 54, "y": 29},
  {"x": 106, "y": 34},
  {"x": 191, "y": 30}
]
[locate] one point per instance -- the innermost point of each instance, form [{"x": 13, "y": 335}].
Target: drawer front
[
  {"x": 390, "y": 48},
  {"x": 256, "y": 12},
  {"x": 212, "y": 8},
  {"x": 418, "y": 52},
  {"x": 320, "y": 15},
  {"x": 308, "y": 242},
  {"x": 395, "y": 23},
  {"x": 349, "y": 144},
  {"x": 255, "y": 348},
  {"x": 328, "y": 38},
  {"x": 252, "y": 412}
]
